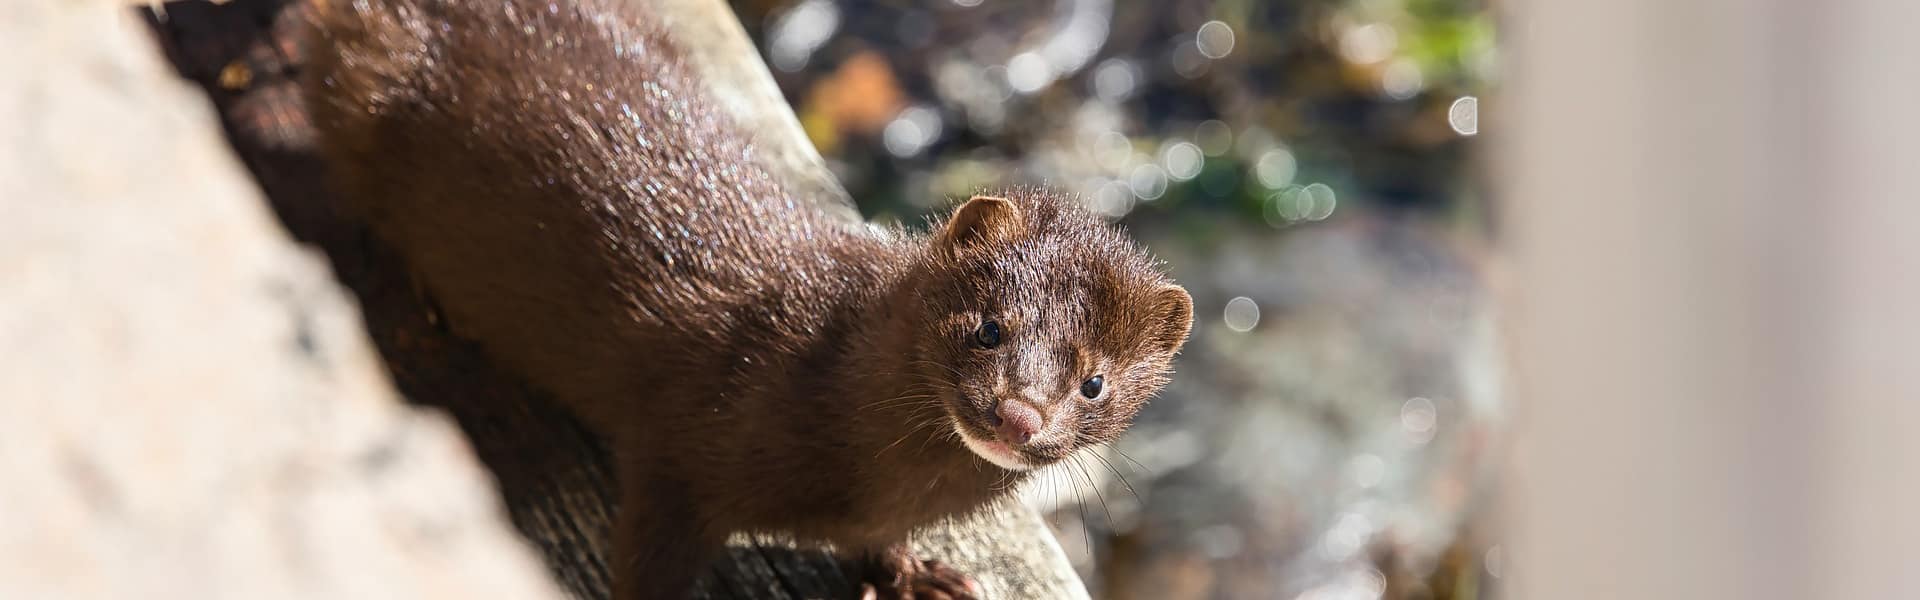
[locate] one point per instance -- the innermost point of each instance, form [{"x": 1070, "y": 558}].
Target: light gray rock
[{"x": 188, "y": 404}]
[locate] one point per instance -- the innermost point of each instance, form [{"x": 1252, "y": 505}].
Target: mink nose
[{"x": 1015, "y": 422}]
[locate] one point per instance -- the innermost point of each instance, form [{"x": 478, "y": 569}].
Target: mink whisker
[{"x": 1116, "y": 473}]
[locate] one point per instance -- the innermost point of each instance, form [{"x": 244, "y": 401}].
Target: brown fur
[{"x": 564, "y": 192}]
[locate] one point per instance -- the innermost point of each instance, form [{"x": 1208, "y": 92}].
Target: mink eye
[
  {"x": 988, "y": 335},
  {"x": 1091, "y": 388}
]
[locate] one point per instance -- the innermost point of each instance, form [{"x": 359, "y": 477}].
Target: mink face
[{"x": 1044, "y": 330}]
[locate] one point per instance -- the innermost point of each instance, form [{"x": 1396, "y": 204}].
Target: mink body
[{"x": 565, "y": 194}]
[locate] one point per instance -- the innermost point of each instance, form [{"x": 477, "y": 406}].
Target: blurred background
[{"x": 1306, "y": 169}]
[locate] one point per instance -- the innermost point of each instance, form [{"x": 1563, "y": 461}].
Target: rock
[{"x": 189, "y": 407}]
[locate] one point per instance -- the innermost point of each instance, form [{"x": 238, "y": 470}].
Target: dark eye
[
  {"x": 988, "y": 335},
  {"x": 1091, "y": 388}
]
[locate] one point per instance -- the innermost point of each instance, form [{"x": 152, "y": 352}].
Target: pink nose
[{"x": 1015, "y": 422}]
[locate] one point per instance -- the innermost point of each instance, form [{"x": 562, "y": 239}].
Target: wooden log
[{"x": 553, "y": 473}]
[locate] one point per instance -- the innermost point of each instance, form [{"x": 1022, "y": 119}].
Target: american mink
[{"x": 572, "y": 203}]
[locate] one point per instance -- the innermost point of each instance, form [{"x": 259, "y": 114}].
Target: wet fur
[{"x": 559, "y": 185}]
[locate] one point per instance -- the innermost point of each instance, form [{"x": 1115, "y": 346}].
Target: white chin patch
[{"x": 995, "y": 452}]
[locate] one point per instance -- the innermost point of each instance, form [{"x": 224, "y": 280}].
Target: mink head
[{"x": 1044, "y": 328}]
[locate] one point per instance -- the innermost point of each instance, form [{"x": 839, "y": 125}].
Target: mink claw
[
  {"x": 913, "y": 579},
  {"x": 936, "y": 581}
]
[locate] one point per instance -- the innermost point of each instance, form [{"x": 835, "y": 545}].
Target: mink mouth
[{"x": 987, "y": 446}]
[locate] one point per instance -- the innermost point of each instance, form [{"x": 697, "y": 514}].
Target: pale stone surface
[{"x": 188, "y": 406}]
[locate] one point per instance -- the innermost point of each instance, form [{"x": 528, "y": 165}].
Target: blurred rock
[{"x": 188, "y": 406}]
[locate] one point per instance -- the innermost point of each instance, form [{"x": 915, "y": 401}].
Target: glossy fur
[{"x": 566, "y": 196}]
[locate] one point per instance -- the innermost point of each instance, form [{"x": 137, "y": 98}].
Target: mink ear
[
  {"x": 1172, "y": 319},
  {"x": 980, "y": 220}
]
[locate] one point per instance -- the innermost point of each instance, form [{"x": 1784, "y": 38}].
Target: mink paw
[{"x": 900, "y": 576}]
